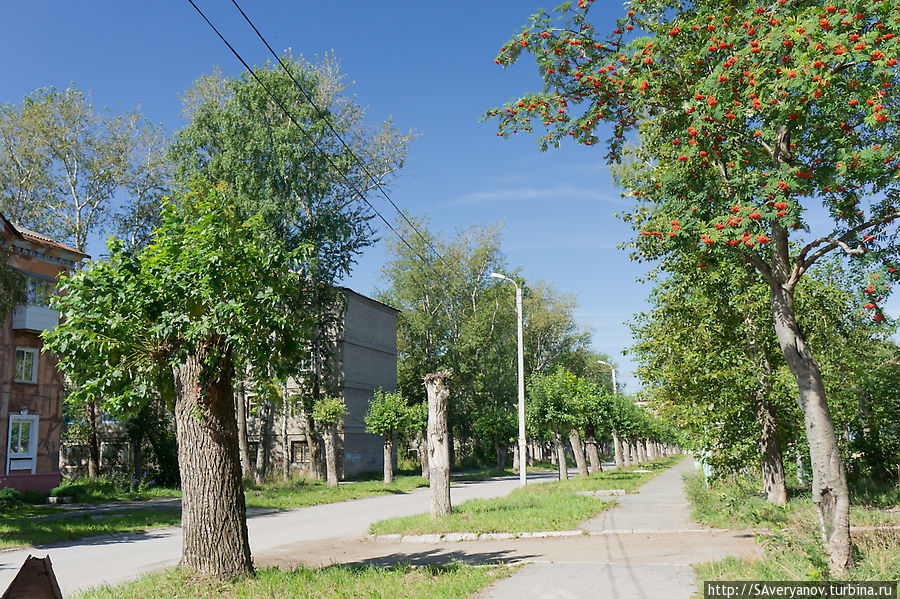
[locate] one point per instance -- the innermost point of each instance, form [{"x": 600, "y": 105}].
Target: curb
[{"x": 456, "y": 537}]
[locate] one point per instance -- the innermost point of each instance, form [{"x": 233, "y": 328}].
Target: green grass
[
  {"x": 456, "y": 581},
  {"x": 20, "y": 526},
  {"x": 538, "y": 507},
  {"x": 105, "y": 490},
  {"x": 790, "y": 533},
  {"x": 302, "y": 492}
]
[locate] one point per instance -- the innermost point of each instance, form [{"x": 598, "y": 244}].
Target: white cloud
[{"x": 559, "y": 193}]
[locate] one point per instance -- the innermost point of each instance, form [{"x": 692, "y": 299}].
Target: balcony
[{"x": 34, "y": 318}]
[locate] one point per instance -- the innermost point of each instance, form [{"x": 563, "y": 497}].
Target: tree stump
[{"x": 438, "y": 442}]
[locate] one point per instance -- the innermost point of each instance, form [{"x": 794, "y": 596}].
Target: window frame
[
  {"x": 33, "y": 421},
  {"x": 35, "y": 359}
]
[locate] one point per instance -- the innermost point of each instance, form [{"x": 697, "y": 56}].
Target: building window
[
  {"x": 26, "y": 365},
  {"x": 299, "y": 452},
  {"x": 39, "y": 291},
  {"x": 23, "y": 442}
]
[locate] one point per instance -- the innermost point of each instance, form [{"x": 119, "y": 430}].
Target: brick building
[{"x": 30, "y": 383}]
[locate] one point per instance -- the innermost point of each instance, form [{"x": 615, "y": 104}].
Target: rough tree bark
[
  {"x": 578, "y": 450},
  {"x": 265, "y": 415},
  {"x": 213, "y": 513},
  {"x": 438, "y": 442},
  {"x": 422, "y": 448},
  {"x": 331, "y": 471},
  {"x": 285, "y": 442},
  {"x": 389, "y": 456},
  {"x": 620, "y": 458},
  {"x": 500, "y": 452},
  {"x": 590, "y": 440},
  {"x": 240, "y": 402},
  {"x": 515, "y": 462},
  {"x": 314, "y": 444},
  {"x": 830, "y": 494},
  {"x": 771, "y": 460},
  {"x": 559, "y": 449},
  {"x": 92, "y": 441}
]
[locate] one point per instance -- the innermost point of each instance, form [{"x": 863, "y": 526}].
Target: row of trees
[
  {"x": 455, "y": 317},
  {"x": 747, "y": 119},
  {"x": 560, "y": 404},
  {"x": 229, "y": 279}
]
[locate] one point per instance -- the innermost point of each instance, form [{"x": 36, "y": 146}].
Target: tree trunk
[
  {"x": 500, "y": 452},
  {"x": 243, "y": 446},
  {"x": 560, "y": 450},
  {"x": 627, "y": 453},
  {"x": 422, "y": 448},
  {"x": 93, "y": 442},
  {"x": 829, "y": 486},
  {"x": 593, "y": 452},
  {"x": 771, "y": 462},
  {"x": 578, "y": 450},
  {"x": 515, "y": 464},
  {"x": 620, "y": 458},
  {"x": 315, "y": 450},
  {"x": 262, "y": 448},
  {"x": 331, "y": 470},
  {"x": 213, "y": 513},
  {"x": 389, "y": 457},
  {"x": 285, "y": 442},
  {"x": 438, "y": 442}
]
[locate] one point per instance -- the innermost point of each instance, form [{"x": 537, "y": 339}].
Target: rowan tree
[{"x": 749, "y": 118}]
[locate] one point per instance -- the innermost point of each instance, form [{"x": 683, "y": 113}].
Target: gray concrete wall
[{"x": 368, "y": 360}]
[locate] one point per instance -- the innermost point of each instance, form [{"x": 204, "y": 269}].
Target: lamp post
[
  {"x": 616, "y": 440},
  {"x": 522, "y": 450},
  {"x": 613, "y": 374}
]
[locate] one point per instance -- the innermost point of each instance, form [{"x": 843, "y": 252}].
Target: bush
[{"x": 10, "y": 496}]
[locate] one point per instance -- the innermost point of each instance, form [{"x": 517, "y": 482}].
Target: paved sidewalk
[{"x": 641, "y": 549}]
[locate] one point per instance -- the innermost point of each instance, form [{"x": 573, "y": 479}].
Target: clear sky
[{"x": 428, "y": 64}]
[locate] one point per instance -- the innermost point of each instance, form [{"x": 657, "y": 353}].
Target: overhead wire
[
  {"x": 327, "y": 121},
  {"x": 306, "y": 133}
]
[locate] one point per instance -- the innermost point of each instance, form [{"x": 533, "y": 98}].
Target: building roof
[
  {"x": 35, "y": 237},
  {"x": 369, "y": 299}
]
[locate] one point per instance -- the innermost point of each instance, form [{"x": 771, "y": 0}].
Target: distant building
[
  {"x": 30, "y": 383},
  {"x": 364, "y": 359}
]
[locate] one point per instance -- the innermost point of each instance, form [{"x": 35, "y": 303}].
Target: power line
[
  {"x": 305, "y": 133},
  {"x": 325, "y": 118}
]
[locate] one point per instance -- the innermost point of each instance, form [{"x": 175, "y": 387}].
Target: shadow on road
[{"x": 442, "y": 557}]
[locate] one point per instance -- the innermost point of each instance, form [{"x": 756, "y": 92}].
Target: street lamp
[
  {"x": 613, "y": 374},
  {"x": 522, "y": 451}
]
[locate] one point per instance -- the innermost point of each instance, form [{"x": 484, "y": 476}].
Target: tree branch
[{"x": 803, "y": 263}]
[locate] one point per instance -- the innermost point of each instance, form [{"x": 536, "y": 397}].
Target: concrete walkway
[{"x": 641, "y": 549}]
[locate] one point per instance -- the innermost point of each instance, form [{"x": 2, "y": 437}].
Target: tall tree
[
  {"x": 307, "y": 175},
  {"x": 184, "y": 303},
  {"x": 62, "y": 163},
  {"x": 748, "y": 115}
]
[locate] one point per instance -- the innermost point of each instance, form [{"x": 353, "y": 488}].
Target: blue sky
[{"x": 428, "y": 64}]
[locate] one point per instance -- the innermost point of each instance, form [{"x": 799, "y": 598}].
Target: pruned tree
[
  {"x": 388, "y": 415},
  {"x": 439, "y": 441},
  {"x": 183, "y": 303},
  {"x": 329, "y": 412}
]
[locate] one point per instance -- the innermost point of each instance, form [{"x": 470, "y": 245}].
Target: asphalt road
[{"x": 109, "y": 560}]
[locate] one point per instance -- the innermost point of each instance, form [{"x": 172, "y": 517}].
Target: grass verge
[
  {"x": 302, "y": 492},
  {"x": 790, "y": 533},
  {"x": 539, "y": 507},
  {"x": 26, "y": 525},
  {"x": 455, "y": 581}
]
